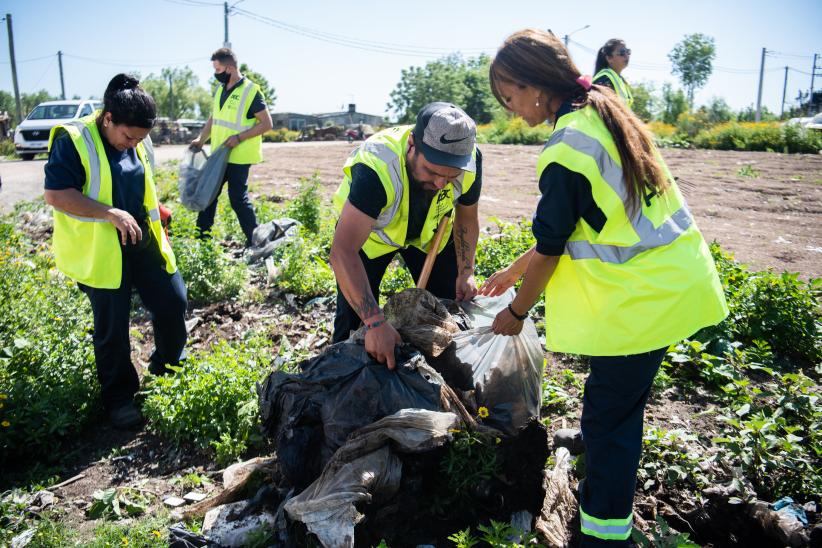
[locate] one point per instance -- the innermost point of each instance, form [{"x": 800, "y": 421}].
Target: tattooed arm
[
  {"x": 466, "y": 233},
  {"x": 351, "y": 233}
]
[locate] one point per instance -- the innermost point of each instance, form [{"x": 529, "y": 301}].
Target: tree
[
  {"x": 181, "y": 99},
  {"x": 645, "y": 103},
  {"x": 692, "y": 60},
  {"x": 748, "y": 114},
  {"x": 452, "y": 79},
  {"x": 674, "y": 103},
  {"x": 718, "y": 111}
]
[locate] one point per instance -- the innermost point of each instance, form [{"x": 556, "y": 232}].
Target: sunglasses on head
[{"x": 624, "y": 52}]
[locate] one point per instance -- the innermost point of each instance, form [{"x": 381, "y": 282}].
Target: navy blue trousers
[
  {"x": 442, "y": 282},
  {"x": 236, "y": 175},
  {"x": 163, "y": 295},
  {"x": 613, "y": 412}
]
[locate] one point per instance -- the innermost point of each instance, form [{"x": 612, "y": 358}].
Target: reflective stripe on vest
[
  {"x": 241, "y": 108},
  {"x": 649, "y": 236},
  {"x": 384, "y": 153},
  {"x": 606, "y": 529}
]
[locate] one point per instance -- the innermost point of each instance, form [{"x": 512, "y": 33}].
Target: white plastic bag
[
  {"x": 201, "y": 177},
  {"x": 507, "y": 371}
]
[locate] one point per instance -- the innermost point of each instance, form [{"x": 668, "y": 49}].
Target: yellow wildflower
[
  {"x": 3, "y": 396},
  {"x": 156, "y": 533},
  {"x": 5, "y": 424},
  {"x": 124, "y": 541},
  {"x": 482, "y": 412}
]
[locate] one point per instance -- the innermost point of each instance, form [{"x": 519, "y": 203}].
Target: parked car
[
  {"x": 815, "y": 123},
  {"x": 32, "y": 135}
]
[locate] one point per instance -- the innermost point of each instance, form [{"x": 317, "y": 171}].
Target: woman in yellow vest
[
  {"x": 109, "y": 239},
  {"x": 612, "y": 58},
  {"x": 624, "y": 269}
]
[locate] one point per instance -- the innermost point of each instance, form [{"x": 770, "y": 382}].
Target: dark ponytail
[
  {"x": 128, "y": 103},
  {"x": 605, "y": 51},
  {"x": 537, "y": 58}
]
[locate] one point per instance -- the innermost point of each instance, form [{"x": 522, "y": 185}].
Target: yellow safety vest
[
  {"x": 385, "y": 153},
  {"x": 232, "y": 118},
  {"x": 86, "y": 249},
  {"x": 639, "y": 284},
  {"x": 619, "y": 84}
]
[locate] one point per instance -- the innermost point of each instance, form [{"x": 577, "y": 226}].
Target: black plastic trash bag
[
  {"x": 311, "y": 414},
  {"x": 201, "y": 177}
]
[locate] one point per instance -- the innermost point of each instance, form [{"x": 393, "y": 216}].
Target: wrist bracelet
[
  {"x": 520, "y": 317},
  {"x": 375, "y": 324}
]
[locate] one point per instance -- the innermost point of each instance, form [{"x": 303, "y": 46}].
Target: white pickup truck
[{"x": 32, "y": 135}]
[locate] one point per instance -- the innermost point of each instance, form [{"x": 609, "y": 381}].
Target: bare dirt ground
[{"x": 770, "y": 220}]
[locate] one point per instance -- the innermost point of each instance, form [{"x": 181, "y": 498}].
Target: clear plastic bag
[
  {"x": 201, "y": 177},
  {"x": 507, "y": 371}
]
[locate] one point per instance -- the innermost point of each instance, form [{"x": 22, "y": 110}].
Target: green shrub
[
  {"x": 759, "y": 136},
  {"x": 48, "y": 384},
  {"x": 280, "y": 135},
  {"x": 211, "y": 400},
  {"x": 500, "y": 249},
  {"x": 513, "y": 131},
  {"x": 304, "y": 269},
  {"x": 7, "y": 147},
  {"x": 305, "y": 207},
  {"x": 778, "y": 308}
]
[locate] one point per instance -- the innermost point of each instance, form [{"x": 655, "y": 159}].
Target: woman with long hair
[
  {"x": 612, "y": 58},
  {"x": 623, "y": 267},
  {"x": 109, "y": 239}
]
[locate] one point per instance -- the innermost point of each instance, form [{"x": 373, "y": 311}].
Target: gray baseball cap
[{"x": 446, "y": 136}]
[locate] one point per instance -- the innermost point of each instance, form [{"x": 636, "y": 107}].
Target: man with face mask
[
  {"x": 397, "y": 187},
  {"x": 238, "y": 120}
]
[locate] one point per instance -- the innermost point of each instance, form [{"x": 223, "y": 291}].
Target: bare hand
[
  {"x": 506, "y": 324},
  {"x": 498, "y": 283},
  {"x": 380, "y": 342},
  {"x": 125, "y": 225},
  {"x": 466, "y": 287},
  {"x": 232, "y": 141},
  {"x": 196, "y": 145}
]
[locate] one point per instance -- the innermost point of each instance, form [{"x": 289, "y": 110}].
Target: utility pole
[
  {"x": 226, "y": 11},
  {"x": 759, "y": 95},
  {"x": 784, "y": 89},
  {"x": 567, "y": 37},
  {"x": 170, "y": 99},
  {"x": 62, "y": 83},
  {"x": 810, "y": 97},
  {"x": 14, "y": 70}
]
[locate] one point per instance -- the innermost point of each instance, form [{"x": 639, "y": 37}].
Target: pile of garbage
[{"x": 447, "y": 440}]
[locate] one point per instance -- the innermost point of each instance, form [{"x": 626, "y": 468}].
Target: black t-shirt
[
  {"x": 257, "y": 103},
  {"x": 604, "y": 81},
  {"x": 566, "y": 196},
  {"x": 368, "y": 195},
  {"x": 65, "y": 170}
]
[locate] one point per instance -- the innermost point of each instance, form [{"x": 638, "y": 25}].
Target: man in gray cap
[{"x": 397, "y": 187}]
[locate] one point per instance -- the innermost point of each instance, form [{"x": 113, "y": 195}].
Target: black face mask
[{"x": 222, "y": 77}]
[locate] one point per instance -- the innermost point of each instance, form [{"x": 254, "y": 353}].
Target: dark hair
[
  {"x": 128, "y": 103},
  {"x": 605, "y": 51},
  {"x": 538, "y": 59},
  {"x": 225, "y": 56}
]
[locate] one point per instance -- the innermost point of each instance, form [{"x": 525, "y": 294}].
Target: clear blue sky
[{"x": 316, "y": 75}]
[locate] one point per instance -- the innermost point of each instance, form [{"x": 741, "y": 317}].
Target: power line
[
  {"x": 120, "y": 63},
  {"x": 30, "y": 60},
  {"x": 356, "y": 43}
]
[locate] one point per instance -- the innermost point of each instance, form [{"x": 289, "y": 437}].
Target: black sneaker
[
  {"x": 571, "y": 439},
  {"x": 127, "y": 417},
  {"x": 158, "y": 369}
]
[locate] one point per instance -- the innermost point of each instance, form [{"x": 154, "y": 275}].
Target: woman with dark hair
[
  {"x": 612, "y": 58},
  {"x": 109, "y": 239},
  {"x": 624, "y": 269}
]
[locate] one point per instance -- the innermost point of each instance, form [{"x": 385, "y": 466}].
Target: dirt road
[{"x": 769, "y": 215}]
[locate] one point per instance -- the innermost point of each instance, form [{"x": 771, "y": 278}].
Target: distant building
[
  {"x": 296, "y": 122},
  {"x": 293, "y": 120}
]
